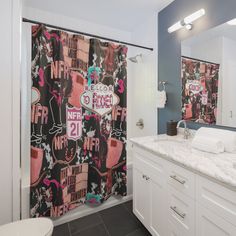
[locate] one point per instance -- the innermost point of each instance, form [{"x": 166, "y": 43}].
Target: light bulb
[
  {"x": 189, "y": 19},
  {"x": 175, "y": 27}
]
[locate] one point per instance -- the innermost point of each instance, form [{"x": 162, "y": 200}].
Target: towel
[
  {"x": 227, "y": 137},
  {"x": 161, "y": 99},
  {"x": 208, "y": 144}
]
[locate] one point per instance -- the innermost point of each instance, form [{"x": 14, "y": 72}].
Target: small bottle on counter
[{"x": 171, "y": 129}]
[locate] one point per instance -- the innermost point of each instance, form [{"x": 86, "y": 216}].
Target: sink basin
[
  {"x": 172, "y": 145},
  {"x": 170, "y": 142}
]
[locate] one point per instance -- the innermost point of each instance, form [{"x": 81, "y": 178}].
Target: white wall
[
  {"x": 228, "y": 82},
  {"x": 143, "y": 83},
  {"x": 210, "y": 50},
  {"x": 10, "y": 109},
  {"x": 6, "y": 112}
]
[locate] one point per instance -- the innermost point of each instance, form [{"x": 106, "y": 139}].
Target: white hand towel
[
  {"x": 207, "y": 144},
  {"x": 161, "y": 99},
  {"x": 227, "y": 137}
]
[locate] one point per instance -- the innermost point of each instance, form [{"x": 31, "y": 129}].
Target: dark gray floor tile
[
  {"x": 140, "y": 232},
  {"x": 61, "y": 230},
  {"x": 119, "y": 221},
  {"x": 98, "y": 230},
  {"x": 84, "y": 223},
  {"x": 129, "y": 206}
]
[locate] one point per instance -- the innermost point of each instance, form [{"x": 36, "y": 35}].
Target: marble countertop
[{"x": 221, "y": 167}]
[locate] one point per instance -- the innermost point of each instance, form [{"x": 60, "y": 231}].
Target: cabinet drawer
[
  {"x": 217, "y": 198},
  {"x": 181, "y": 211},
  {"x": 148, "y": 156},
  {"x": 150, "y": 170},
  {"x": 175, "y": 230},
  {"x": 208, "y": 223},
  {"x": 181, "y": 179}
]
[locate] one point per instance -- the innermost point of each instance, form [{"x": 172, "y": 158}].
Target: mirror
[{"x": 208, "y": 74}]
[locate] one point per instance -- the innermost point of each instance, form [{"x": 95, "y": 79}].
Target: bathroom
[{"x": 188, "y": 173}]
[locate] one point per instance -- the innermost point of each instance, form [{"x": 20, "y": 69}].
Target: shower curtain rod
[{"x": 86, "y": 34}]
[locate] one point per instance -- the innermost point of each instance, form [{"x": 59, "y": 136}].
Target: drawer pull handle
[
  {"x": 174, "y": 177},
  {"x": 175, "y": 209}
]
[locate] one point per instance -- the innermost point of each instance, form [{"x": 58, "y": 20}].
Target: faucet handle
[{"x": 187, "y": 133}]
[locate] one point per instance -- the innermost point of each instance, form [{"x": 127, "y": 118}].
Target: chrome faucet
[{"x": 186, "y": 130}]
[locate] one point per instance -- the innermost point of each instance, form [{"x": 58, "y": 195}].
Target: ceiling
[{"x": 120, "y": 14}]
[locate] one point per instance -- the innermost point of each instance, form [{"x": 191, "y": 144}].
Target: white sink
[
  {"x": 170, "y": 141},
  {"x": 172, "y": 145}
]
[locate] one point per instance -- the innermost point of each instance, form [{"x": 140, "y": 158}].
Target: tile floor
[{"x": 115, "y": 221}]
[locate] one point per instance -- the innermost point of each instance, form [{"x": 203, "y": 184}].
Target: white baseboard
[{"x": 88, "y": 210}]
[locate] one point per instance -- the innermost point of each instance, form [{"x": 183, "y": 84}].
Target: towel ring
[{"x": 163, "y": 83}]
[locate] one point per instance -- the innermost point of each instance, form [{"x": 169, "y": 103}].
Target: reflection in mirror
[{"x": 208, "y": 76}]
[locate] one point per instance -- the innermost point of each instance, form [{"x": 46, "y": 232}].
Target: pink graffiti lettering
[
  {"x": 57, "y": 96},
  {"x": 41, "y": 77},
  {"x": 52, "y": 35},
  {"x": 88, "y": 117},
  {"x": 47, "y": 182},
  {"x": 121, "y": 85}
]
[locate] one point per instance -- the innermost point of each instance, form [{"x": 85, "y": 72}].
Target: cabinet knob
[{"x": 144, "y": 176}]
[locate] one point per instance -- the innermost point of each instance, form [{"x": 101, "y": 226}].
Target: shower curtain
[
  {"x": 200, "y": 81},
  {"x": 78, "y": 121}
]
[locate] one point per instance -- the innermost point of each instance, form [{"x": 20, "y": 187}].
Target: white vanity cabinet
[
  {"x": 149, "y": 198},
  {"x": 173, "y": 201}
]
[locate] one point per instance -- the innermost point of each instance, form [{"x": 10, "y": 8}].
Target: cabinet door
[
  {"x": 157, "y": 205},
  {"x": 208, "y": 223},
  {"x": 174, "y": 230},
  {"x": 141, "y": 196}
]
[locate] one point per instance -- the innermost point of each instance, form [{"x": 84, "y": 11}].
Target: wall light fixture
[{"x": 187, "y": 22}]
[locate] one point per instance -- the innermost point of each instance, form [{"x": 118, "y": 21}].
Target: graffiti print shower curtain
[{"x": 78, "y": 121}]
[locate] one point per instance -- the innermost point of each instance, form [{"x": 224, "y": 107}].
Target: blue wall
[{"x": 169, "y": 47}]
